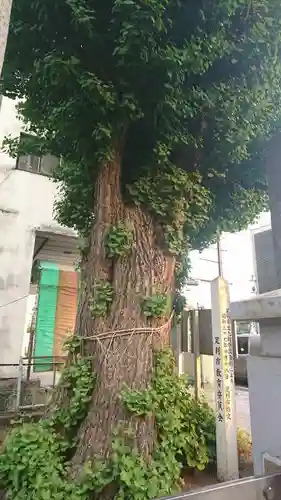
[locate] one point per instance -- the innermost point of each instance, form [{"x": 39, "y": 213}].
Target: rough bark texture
[{"x": 125, "y": 360}]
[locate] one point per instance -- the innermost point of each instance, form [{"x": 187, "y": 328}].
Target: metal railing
[
  {"x": 25, "y": 392},
  {"x": 253, "y": 488}
]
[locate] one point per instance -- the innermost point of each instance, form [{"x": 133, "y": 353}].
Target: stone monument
[
  {"x": 264, "y": 360},
  {"x": 226, "y": 431}
]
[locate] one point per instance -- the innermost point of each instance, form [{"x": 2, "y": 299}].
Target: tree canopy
[
  {"x": 188, "y": 91},
  {"x": 160, "y": 111}
]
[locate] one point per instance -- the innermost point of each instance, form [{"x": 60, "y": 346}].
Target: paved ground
[{"x": 243, "y": 408}]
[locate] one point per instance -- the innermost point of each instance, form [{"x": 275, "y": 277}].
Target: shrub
[
  {"x": 244, "y": 445},
  {"x": 34, "y": 462}
]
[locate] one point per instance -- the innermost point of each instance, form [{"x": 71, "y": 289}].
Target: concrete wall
[
  {"x": 207, "y": 367},
  {"x": 186, "y": 364},
  {"x": 240, "y": 368},
  {"x": 265, "y": 266},
  {"x": 26, "y": 203},
  {"x": 264, "y": 375},
  {"x": 205, "y": 332}
]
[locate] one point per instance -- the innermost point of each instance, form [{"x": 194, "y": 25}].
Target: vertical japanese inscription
[
  {"x": 226, "y": 437},
  {"x": 224, "y": 363},
  {"x": 219, "y": 376}
]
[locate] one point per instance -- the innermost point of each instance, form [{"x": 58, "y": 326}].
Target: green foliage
[
  {"x": 78, "y": 212},
  {"x": 188, "y": 93},
  {"x": 101, "y": 299},
  {"x": 119, "y": 241},
  {"x": 185, "y": 434},
  {"x": 171, "y": 197},
  {"x": 34, "y": 461},
  {"x": 78, "y": 380},
  {"x": 72, "y": 345},
  {"x": 182, "y": 271},
  {"x": 179, "y": 303},
  {"x": 154, "y": 306},
  {"x": 32, "y": 454}
]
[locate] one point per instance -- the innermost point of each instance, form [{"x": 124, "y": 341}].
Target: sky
[{"x": 238, "y": 266}]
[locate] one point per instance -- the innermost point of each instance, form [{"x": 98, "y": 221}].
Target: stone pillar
[
  {"x": 273, "y": 169},
  {"x": 264, "y": 375},
  {"x": 264, "y": 361},
  {"x": 226, "y": 438}
]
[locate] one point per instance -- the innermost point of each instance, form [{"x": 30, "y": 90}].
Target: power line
[
  {"x": 7, "y": 176},
  {"x": 64, "y": 288},
  {"x": 14, "y": 301},
  {"x": 219, "y": 255}
]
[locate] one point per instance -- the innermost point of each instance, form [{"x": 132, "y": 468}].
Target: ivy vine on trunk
[
  {"x": 123, "y": 358},
  {"x": 160, "y": 112}
]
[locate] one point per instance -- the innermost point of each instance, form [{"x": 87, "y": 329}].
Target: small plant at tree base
[
  {"x": 102, "y": 298},
  {"x": 33, "y": 464},
  {"x": 185, "y": 434},
  {"x": 79, "y": 380},
  {"x": 72, "y": 345},
  {"x": 244, "y": 445},
  {"x": 154, "y": 306},
  {"x": 118, "y": 241}
]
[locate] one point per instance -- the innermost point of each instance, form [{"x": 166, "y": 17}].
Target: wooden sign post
[{"x": 226, "y": 432}]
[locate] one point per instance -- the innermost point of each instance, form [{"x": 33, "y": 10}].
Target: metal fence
[
  {"x": 28, "y": 390},
  {"x": 253, "y": 488}
]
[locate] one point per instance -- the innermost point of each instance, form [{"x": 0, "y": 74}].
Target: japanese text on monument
[{"x": 224, "y": 371}]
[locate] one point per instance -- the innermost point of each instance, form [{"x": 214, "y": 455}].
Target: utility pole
[
  {"x": 5, "y": 14},
  {"x": 219, "y": 254}
]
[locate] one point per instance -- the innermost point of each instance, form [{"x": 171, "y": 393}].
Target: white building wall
[{"x": 26, "y": 204}]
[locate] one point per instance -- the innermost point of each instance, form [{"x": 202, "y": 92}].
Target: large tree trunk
[{"x": 120, "y": 359}]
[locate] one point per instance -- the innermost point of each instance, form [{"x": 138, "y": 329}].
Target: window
[
  {"x": 243, "y": 327},
  {"x": 243, "y": 344},
  {"x": 37, "y": 164}
]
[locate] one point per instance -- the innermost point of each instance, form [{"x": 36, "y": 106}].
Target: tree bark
[{"x": 128, "y": 359}]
